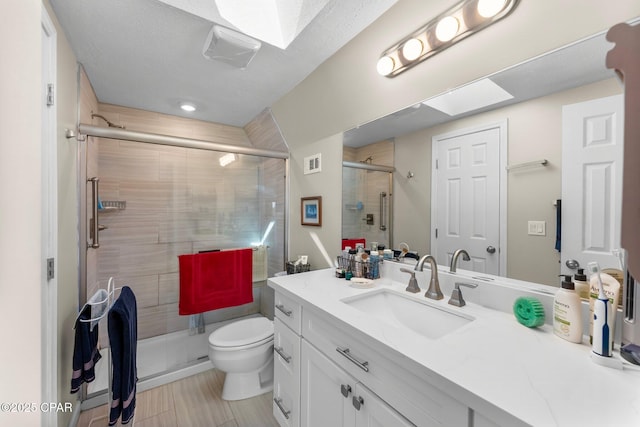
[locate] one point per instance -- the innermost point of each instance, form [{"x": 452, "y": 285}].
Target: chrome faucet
[
  {"x": 454, "y": 259},
  {"x": 434, "y": 291}
]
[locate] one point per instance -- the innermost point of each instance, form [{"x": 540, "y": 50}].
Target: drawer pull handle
[
  {"x": 278, "y": 401},
  {"x": 345, "y": 389},
  {"x": 282, "y": 354},
  {"x": 347, "y": 353},
  {"x": 357, "y": 402},
  {"x": 284, "y": 310}
]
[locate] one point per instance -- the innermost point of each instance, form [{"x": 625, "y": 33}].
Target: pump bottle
[
  {"x": 567, "y": 312},
  {"x": 581, "y": 284}
]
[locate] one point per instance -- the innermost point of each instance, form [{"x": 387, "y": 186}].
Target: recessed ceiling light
[{"x": 189, "y": 108}]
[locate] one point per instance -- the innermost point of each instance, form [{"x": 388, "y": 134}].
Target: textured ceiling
[{"x": 146, "y": 54}]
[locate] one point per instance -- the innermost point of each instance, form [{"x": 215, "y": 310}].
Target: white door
[
  {"x": 592, "y": 153},
  {"x": 326, "y": 391},
  {"x": 466, "y": 204},
  {"x": 374, "y": 412}
]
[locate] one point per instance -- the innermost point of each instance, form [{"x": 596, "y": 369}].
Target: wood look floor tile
[
  {"x": 198, "y": 401},
  {"x": 152, "y": 402},
  {"x": 254, "y": 412},
  {"x": 164, "y": 419},
  {"x": 195, "y": 401}
]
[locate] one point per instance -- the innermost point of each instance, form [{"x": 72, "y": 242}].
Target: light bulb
[
  {"x": 412, "y": 49},
  {"x": 190, "y": 108},
  {"x": 447, "y": 28},
  {"x": 490, "y": 8},
  {"x": 385, "y": 65}
]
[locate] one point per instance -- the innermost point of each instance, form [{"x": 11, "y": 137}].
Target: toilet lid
[{"x": 242, "y": 332}]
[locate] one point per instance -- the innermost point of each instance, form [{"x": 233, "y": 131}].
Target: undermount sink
[{"x": 406, "y": 312}]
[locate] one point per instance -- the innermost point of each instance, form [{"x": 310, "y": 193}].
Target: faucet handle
[
  {"x": 456, "y": 296},
  {"x": 413, "y": 283}
]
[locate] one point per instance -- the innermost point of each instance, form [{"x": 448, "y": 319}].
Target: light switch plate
[
  {"x": 313, "y": 164},
  {"x": 537, "y": 228}
]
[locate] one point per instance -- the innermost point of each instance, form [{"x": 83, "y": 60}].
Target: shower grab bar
[
  {"x": 95, "y": 227},
  {"x": 383, "y": 198}
]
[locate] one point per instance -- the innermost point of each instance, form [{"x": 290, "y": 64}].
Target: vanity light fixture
[
  {"x": 412, "y": 49},
  {"x": 447, "y": 28},
  {"x": 460, "y": 21}
]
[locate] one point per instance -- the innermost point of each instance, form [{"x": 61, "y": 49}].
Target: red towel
[{"x": 213, "y": 280}]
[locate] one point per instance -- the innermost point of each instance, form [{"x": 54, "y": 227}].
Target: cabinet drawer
[
  {"x": 286, "y": 365},
  {"x": 286, "y": 350},
  {"x": 289, "y": 312},
  {"x": 416, "y": 399}
]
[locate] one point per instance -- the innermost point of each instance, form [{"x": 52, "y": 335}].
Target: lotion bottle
[{"x": 567, "y": 312}]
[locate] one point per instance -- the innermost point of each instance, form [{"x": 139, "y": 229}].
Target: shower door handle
[
  {"x": 94, "y": 232},
  {"x": 383, "y": 198}
]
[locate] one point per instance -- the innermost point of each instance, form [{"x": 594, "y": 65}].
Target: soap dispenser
[
  {"x": 581, "y": 284},
  {"x": 567, "y": 312}
]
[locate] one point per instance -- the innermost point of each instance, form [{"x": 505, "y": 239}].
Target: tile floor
[{"x": 191, "y": 402}]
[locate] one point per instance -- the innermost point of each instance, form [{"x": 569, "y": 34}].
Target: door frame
[
  {"x": 502, "y": 126},
  {"x": 49, "y": 233}
]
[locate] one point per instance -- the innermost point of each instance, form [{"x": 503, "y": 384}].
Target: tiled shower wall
[{"x": 179, "y": 201}]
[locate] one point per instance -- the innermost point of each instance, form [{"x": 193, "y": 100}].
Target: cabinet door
[
  {"x": 371, "y": 411},
  {"x": 326, "y": 391},
  {"x": 286, "y": 382}
]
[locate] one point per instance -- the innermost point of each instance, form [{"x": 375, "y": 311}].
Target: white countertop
[{"x": 493, "y": 361}]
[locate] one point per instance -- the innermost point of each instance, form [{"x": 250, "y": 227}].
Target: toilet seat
[{"x": 243, "y": 333}]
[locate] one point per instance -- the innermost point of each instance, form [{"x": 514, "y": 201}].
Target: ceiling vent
[{"x": 229, "y": 46}]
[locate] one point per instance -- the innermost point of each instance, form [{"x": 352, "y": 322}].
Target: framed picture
[{"x": 311, "y": 211}]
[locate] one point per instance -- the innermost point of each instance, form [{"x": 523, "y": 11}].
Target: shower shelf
[{"x": 113, "y": 205}]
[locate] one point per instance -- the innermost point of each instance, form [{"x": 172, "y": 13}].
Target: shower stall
[
  {"x": 145, "y": 200},
  {"x": 367, "y": 209}
]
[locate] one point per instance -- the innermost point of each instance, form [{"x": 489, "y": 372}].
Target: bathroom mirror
[{"x": 539, "y": 87}]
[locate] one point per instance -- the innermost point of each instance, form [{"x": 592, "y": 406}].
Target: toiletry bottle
[
  {"x": 582, "y": 286},
  {"x": 567, "y": 312}
]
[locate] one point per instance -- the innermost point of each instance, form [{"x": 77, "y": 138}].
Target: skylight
[{"x": 474, "y": 96}]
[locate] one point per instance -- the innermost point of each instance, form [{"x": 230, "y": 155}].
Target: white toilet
[{"x": 244, "y": 351}]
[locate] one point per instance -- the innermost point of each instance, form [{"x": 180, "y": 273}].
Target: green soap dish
[{"x": 529, "y": 311}]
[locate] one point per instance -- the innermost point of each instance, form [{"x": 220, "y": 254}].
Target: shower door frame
[{"x": 85, "y": 132}]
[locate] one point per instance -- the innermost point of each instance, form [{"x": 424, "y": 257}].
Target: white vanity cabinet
[
  {"x": 331, "y": 397},
  {"x": 328, "y": 375},
  {"x": 286, "y": 361}
]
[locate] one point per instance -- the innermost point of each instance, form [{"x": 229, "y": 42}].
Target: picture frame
[{"x": 311, "y": 211}]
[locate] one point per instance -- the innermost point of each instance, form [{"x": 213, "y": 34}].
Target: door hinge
[
  {"x": 50, "y": 94},
  {"x": 51, "y": 272},
  {"x": 436, "y": 163},
  {"x": 436, "y": 233}
]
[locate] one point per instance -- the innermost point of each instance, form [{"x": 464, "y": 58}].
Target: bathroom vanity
[{"x": 381, "y": 356}]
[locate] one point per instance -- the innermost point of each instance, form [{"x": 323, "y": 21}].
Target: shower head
[{"x": 110, "y": 124}]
